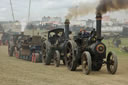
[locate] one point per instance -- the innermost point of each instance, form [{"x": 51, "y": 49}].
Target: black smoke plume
[{"x": 111, "y": 5}]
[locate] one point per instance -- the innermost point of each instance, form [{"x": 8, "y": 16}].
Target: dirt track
[{"x": 19, "y": 72}]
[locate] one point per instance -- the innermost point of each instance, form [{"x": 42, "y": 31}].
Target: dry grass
[{"x": 19, "y": 72}]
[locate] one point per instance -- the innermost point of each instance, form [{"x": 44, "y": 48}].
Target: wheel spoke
[{"x": 112, "y": 63}]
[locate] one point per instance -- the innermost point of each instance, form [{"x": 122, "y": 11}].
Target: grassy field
[
  {"x": 118, "y": 51},
  {"x": 19, "y": 72}
]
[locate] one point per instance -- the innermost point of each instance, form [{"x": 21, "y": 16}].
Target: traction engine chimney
[
  {"x": 67, "y": 23},
  {"x": 98, "y": 25}
]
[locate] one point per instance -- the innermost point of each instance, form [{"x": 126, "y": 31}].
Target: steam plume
[
  {"x": 111, "y": 5},
  {"x": 81, "y": 10}
]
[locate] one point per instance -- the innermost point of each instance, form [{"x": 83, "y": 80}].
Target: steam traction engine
[
  {"x": 90, "y": 52},
  {"x": 53, "y": 47},
  {"x": 31, "y": 49}
]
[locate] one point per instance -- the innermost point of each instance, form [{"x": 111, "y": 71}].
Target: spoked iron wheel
[
  {"x": 112, "y": 63},
  {"x": 57, "y": 58},
  {"x": 44, "y": 53},
  {"x": 70, "y": 59},
  {"x": 86, "y": 63}
]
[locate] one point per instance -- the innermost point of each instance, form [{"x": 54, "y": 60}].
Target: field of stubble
[{"x": 19, "y": 72}]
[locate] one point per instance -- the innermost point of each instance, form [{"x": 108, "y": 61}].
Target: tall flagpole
[
  {"x": 12, "y": 10},
  {"x": 29, "y": 11}
]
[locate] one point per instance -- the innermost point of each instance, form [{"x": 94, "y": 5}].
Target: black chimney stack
[
  {"x": 98, "y": 25},
  {"x": 67, "y": 23}
]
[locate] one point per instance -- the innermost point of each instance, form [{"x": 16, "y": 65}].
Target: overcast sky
[{"x": 39, "y": 8}]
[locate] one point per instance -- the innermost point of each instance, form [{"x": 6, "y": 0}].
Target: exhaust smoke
[
  {"x": 111, "y": 5},
  {"x": 81, "y": 10},
  {"x": 23, "y": 25},
  {"x": 100, "y": 6}
]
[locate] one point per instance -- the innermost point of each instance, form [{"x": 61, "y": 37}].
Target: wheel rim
[
  {"x": 69, "y": 55},
  {"x": 71, "y": 58},
  {"x": 112, "y": 63},
  {"x": 84, "y": 63},
  {"x": 44, "y": 52},
  {"x": 56, "y": 59}
]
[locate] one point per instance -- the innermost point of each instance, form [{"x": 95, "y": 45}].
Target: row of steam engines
[{"x": 85, "y": 49}]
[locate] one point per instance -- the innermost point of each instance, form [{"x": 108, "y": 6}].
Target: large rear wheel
[
  {"x": 112, "y": 63},
  {"x": 46, "y": 59},
  {"x": 70, "y": 55},
  {"x": 44, "y": 53},
  {"x": 86, "y": 62}
]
